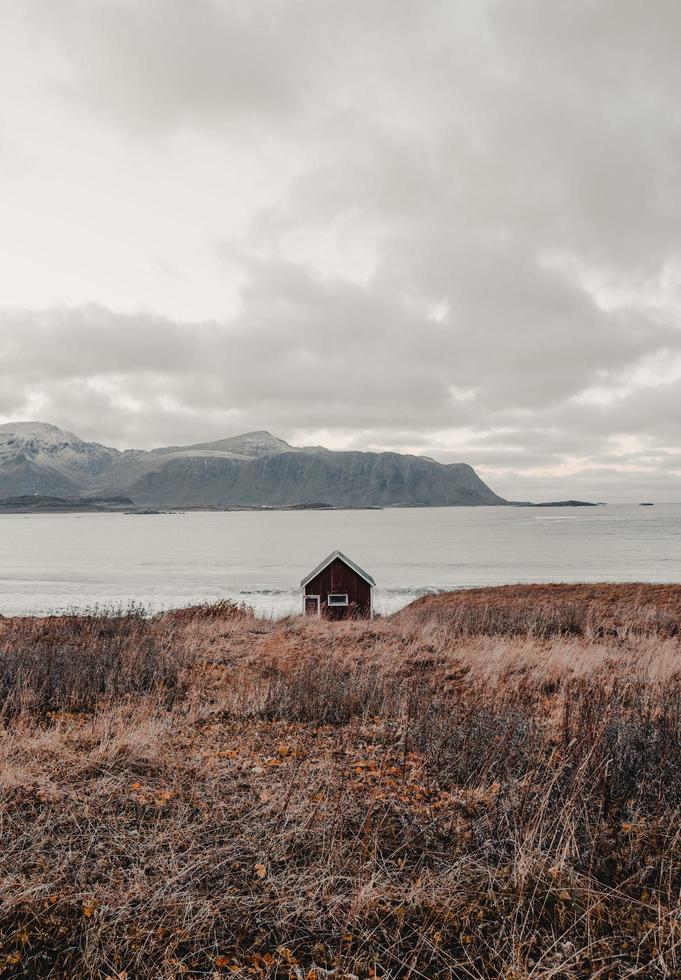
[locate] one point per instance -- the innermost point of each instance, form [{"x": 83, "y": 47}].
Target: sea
[{"x": 52, "y": 563}]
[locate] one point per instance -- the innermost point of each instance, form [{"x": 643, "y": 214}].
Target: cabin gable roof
[{"x": 347, "y": 561}]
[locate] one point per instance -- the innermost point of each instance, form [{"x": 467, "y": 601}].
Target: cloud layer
[{"x": 447, "y": 228}]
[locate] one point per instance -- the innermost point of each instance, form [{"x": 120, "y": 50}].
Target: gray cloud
[{"x": 472, "y": 250}]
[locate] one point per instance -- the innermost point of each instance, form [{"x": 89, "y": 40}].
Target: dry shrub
[
  {"x": 222, "y": 611},
  {"x": 325, "y": 693},
  {"x": 69, "y": 663}
]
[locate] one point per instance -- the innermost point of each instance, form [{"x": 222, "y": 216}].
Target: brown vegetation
[{"x": 484, "y": 785}]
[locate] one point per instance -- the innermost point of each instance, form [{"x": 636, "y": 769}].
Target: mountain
[
  {"x": 36, "y": 457},
  {"x": 256, "y": 469}
]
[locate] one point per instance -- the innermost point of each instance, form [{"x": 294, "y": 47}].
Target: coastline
[{"x": 98, "y": 505}]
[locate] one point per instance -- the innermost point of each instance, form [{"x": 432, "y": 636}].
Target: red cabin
[{"x": 337, "y": 589}]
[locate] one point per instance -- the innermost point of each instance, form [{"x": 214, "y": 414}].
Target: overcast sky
[{"x": 450, "y": 228}]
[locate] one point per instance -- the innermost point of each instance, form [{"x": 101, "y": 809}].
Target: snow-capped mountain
[
  {"x": 36, "y": 457},
  {"x": 254, "y": 469}
]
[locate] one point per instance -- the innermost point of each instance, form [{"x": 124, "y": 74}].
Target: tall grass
[
  {"x": 70, "y": 663},
  {"x": 304, "y": 799}
]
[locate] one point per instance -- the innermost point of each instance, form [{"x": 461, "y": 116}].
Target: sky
[{"x": 443, "y": 227}]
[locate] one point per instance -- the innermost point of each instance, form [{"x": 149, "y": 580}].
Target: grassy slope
[{"x": 487, "y": 784}]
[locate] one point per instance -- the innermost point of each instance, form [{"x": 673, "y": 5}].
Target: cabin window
[{"x": 337, "y": 599}]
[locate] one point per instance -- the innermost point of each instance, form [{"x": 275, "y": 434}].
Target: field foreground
[{"x": 486, "y": 784}]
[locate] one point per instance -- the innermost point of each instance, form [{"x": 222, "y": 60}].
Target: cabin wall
[{"x": 337, "y": 577}]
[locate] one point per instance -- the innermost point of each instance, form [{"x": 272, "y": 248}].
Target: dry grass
[{"x": 432, "y": 795}]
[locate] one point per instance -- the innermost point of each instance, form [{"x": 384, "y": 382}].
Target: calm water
[{"x": 55, "y": 562}]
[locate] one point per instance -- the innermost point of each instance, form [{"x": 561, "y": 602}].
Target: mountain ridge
[{"x": 254, "y": 469}]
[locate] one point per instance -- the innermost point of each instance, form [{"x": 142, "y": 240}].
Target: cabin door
[{"x": 311, "y": 605}]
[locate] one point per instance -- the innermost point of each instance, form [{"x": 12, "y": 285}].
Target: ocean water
[{"x": 56, "y": 562}]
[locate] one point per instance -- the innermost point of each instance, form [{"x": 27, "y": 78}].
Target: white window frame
[
  {"x": 319, "y": 604},
  {"x": 335, "y": 605}
]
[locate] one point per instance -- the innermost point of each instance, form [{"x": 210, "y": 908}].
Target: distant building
[{"x": 337, "y": 589}]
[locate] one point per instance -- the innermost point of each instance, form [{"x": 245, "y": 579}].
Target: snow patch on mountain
[{"x": 41, "y": 445}]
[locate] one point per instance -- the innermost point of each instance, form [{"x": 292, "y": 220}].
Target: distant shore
[{"x": 43, "y": 504}]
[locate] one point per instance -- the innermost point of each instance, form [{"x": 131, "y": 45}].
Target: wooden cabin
[{"x": 337, "y": 589}]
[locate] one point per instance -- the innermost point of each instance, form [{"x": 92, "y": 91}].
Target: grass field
[{"x": 487, "y": 784}]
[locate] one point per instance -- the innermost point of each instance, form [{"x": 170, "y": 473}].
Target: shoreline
[
  {"x": 612, "y": 599},
  {"x": 83, "y": 506}
]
